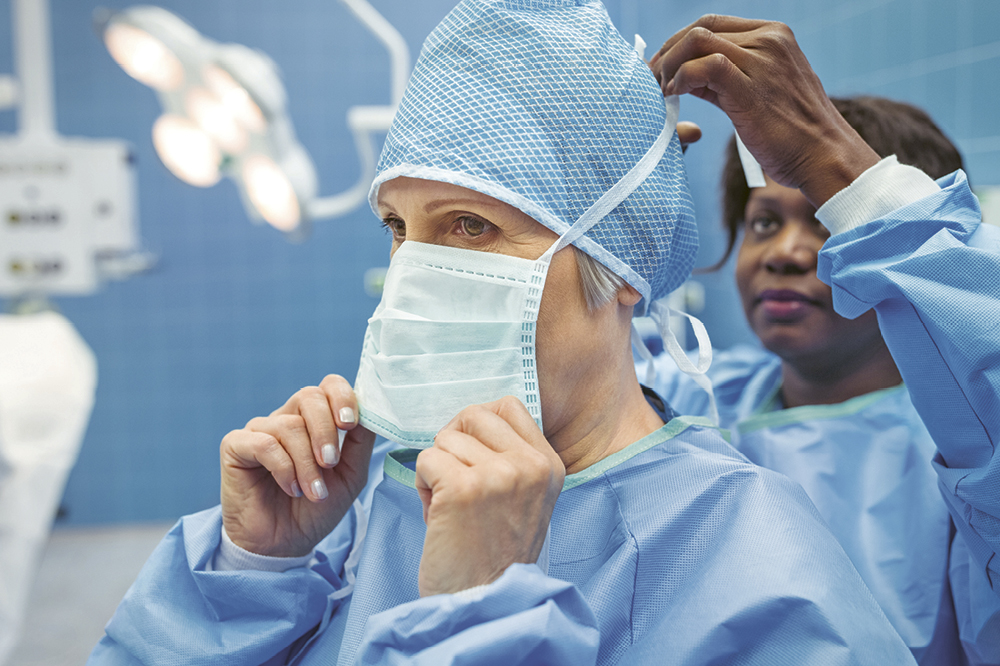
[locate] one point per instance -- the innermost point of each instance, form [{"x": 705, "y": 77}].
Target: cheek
[
  {"x": 562, "y": 314},
  {"x": 851, "y": 332},
  {"x": 745, "y": 263},
  {"x": 563, "y": 300}
]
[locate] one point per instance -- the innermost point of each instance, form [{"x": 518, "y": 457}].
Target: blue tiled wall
[{"x": 234, "y": 319}]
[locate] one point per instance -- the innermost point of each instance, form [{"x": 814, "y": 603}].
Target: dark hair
[{"x": 890, "y": 128}]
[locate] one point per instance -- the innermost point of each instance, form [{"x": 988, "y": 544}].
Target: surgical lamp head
[{"x": 224, "y": 112}]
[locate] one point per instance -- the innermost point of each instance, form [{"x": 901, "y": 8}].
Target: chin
[{"x": 786, "y": 341}]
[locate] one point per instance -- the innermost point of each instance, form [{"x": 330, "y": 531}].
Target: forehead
[{"x": 773, "y": 195}]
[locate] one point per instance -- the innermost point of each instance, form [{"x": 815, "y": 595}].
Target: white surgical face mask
[{"x": 455, "y": 328}]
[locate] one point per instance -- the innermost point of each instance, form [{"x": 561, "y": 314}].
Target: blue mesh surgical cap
[{"x": 542, "y": 105}]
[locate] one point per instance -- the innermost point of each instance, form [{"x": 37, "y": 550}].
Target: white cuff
[
  {"x": 883, "y": 188},
  {"x": 476, "y": 593},
  {"x": 231, "y": 557}
]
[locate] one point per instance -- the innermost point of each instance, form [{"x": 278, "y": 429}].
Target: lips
[{"x": 785, "y": 305}]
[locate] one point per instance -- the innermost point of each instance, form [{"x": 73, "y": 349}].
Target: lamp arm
[
  {"x": 33, "y": 57},
  {"x": 399, "y": 52},
  {"x": 362, "y": 120}
]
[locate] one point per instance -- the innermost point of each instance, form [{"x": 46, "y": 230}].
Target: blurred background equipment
[
  {"x": 47, "y": 379},
  {"x": 989, "y": 200},
  {"x": 67, "y": 204},
  {"x": 224, "y": 113},
  {"x": 68, "y": 220}
]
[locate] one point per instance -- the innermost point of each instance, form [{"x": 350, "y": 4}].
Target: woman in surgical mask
[{"x": 536, "y": 506}]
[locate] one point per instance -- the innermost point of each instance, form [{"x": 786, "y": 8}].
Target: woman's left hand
[{"x": 488, "y": 486}]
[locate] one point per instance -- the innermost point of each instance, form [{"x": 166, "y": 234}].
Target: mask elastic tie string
[
  {"x": 640, "y": 47},
  {"x": 660, "y": 313},
  {"x": 751, "y": 167},
  {"x": 351, "y": 564}
]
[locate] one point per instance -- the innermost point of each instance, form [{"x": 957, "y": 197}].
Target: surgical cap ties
[{"x": 660, "y": 313}]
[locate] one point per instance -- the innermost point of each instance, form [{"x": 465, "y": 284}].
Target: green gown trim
[
  {"x": 396, "y": 461},
  {"x": 764, "y": 418}
]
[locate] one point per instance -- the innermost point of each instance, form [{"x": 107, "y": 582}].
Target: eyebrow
[
  {"x": 456, "y": 201},
  {"x": 441, "y": 203}
]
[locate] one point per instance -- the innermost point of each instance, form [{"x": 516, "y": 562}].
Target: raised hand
[
  {"x": 286, "y": 480},
  {"x": 756, "y": 73},
  {"x": 488, "y": 486}
]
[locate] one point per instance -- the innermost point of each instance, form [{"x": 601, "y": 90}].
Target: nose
[{"x": 792, "y": 251}]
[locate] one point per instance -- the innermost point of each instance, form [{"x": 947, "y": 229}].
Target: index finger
[
  {"x": 484, "y": 424},
  {"x": 712, "y": 22},
  {"x": 510, "y": 416}
]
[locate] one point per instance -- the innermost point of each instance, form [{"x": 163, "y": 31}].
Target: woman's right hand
[{"x": 286, "y": 483}]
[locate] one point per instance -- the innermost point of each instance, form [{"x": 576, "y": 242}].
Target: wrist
[
  {"x": 281, "y": 548},
  {"x": 232, "y": 557},
  {"x": 838, "y": 160}
]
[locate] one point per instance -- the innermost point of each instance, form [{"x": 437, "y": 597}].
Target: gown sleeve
[
  {"x": 178, "y": 612},
  {"x": 524, "y": 617},
  {"x": 183, "y": 610},
  {"x": 931, "y": 271}
]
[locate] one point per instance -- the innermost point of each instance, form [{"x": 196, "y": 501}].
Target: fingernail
[
  {"x": 319, "y": 489},
  {"x": 669, "y": 88},
  {"x": 330, "y": 456},
  {"x": 296, "y": 488},
  {"x": 347, "y": 415}
]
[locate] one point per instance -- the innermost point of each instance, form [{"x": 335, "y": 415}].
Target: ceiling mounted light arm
[
  {"x": 363, "y": 120},
  {"x": 34, "y": 62},
  {"x": 366, "y": 120},
  {"x": 399, "y": 52},
  {"x": 225, "y": 113}
]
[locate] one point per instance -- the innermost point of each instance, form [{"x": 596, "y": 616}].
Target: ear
[{"x": 629, "y": 296}]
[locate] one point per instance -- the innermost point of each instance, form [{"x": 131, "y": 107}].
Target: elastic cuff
[
  {"x": 476, "y": 593},
  {"x": 883, "y": 188},
  {"x": 231, "y": 557}
]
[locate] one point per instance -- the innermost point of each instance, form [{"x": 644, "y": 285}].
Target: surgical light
[
  {"x": 235, "y": 98},
  {"x": 212, "y": 115},
  {"x": 271, "y": 192},
  {"x": 187, "y": 150},
  {"x": 225, "y": 113},
  {"x": 143, "y": 57}
]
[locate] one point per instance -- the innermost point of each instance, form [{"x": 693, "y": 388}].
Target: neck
[
  {"x": 608, "y": 413},
  {"x": 806, "y": 382}
]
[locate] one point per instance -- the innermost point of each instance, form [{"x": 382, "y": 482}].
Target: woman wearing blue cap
[
  {"x": 827, "y": 406},
  {"x": 556, "y": 513}
]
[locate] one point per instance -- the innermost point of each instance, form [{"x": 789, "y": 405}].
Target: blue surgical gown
[
  {"x": 678, "y": 534},
  {"x": 675, "y": 550},
  {"x": 867, "y": 463}
]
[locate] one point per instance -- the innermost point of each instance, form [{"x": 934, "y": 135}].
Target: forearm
[{"x": 930, "y": 270}]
